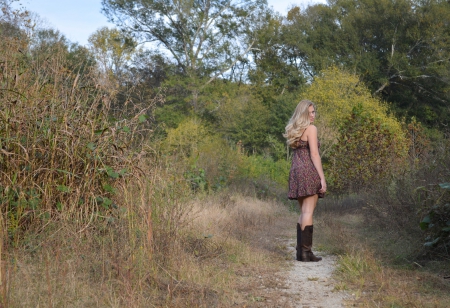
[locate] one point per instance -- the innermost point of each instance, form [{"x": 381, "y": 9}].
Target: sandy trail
[
  {"x": 310, "y": 284},
  {"x": 307, "y": 284}
]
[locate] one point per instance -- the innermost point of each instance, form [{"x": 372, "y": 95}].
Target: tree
[
  {"x": 205, "y": 38},
  {"x": 112, "y": 50},
  {"x": 47, "y": 42},
  {"x": 399, "y": 48},
  {"x": 275, "y": 69},
  {"x": 14, "y": 22}
]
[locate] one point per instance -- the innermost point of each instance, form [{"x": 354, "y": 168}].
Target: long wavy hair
[{"x": 298, "y": 122}]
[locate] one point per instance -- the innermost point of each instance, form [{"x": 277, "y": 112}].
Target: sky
[{"x": 78, "y": 19}]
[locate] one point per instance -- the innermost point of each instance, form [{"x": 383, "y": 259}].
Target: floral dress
[{"x": 304, "y": 180}]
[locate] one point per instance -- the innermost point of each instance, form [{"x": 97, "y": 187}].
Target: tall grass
[
  {"x": 385, "y": 259},
  {"x": 161, "y": 252},
  {"x": 62, "y": 151},
  {"x": 91, "y": 213}
]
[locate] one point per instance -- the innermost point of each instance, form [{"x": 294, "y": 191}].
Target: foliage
[
  {"x": 185, "y": 140},
  {"x": 44, "y": 43},
  {"x": 247, "y": 121},
  {"x": 275, "y": 71},
  {"x": 257, "y": 167},
  {"x": 365, "y": 152},
  {"x": 436, "y": 215},
  {"x": 63, "y": 150},
  {"x": 419, "y": 142},
  {"x": 209, "y": 163},
  {"x": 399, "y": 48},
  {"x": 336, "y": 93},
  {"x": 112, "y": 50},
  {"x": 243, "y": 116},
  {"x": 204, "y": 39}
]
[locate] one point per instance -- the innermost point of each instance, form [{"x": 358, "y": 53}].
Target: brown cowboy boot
[
  {"x": 299, "y": 242},
  {"x": 306, "y": 253}
]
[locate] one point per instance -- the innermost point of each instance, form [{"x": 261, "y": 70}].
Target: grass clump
[
  {"x": 379, "y": 263},
  {"x": 64, "y": 151}
]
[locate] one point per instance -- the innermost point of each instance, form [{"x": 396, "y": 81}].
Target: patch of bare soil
[
  {"x": 310, "y": 284},
  {"x": 288, "y": 283},
  {"x": 297, "y": 285}
]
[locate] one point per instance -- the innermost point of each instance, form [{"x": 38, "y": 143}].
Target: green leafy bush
[
  {"x": 257, "y": 167},
  {"x": 366, "y": 152},
  {"x": 207, "y": 160},
  {"x": 337, "y": 93}
]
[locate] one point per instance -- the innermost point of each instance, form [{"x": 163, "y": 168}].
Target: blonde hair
[{"x": 298, "y": 122}]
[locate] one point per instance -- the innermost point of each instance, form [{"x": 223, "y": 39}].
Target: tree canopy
[
  {"x": 399, "y": 48},
  {"x": 205, "y": 38}
]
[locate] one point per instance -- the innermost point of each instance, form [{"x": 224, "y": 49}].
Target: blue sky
[{"x": 78, "y": 19}]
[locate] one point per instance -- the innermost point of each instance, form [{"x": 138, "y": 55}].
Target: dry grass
[
  {"x": 375, "y": 264},
  {"x": 92, "y": 216},
  {"x": 213, "y": 260}
]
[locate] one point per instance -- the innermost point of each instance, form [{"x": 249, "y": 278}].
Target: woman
[{"x": 306, "y": 177}]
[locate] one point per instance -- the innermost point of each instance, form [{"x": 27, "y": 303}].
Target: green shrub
[
  {"x": 336, "y": 93},
  {"x": 366, "y": 152},
  {"x": 207, "y": 160},
  {"x": 256, "y": 167}
]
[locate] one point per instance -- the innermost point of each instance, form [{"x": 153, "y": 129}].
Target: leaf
[
  {"x": 142, "y": 118},
  {"x": 126, "y": 129},
  {"x": 100, "y": 131},
  {"x": 445, "y": 186},
  {"x": 106, "y": 202},
  {"x": 109, "y": 188},
  {"x": 424, "y": 224},
  {"x": 91, "y": 146},
  {"x": 432, "y": 243},
  {"x": 111, "y": 173},
  {"x": 63, "y": 188},
  {"x": 123, "y": 171}
]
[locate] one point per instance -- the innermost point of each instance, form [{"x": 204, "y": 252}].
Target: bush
[
  {"x": 256, "y": 167},
  {"x": 336, "y": 93},
  {"x": 366, "y": 152},
  {"x": 206, "y": 160},
  {"x": 63, "y": 150},
  {"x": 436, "y": 216}
]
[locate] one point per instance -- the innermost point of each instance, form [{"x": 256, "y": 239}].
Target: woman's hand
[{"x": 323, "y": 189}]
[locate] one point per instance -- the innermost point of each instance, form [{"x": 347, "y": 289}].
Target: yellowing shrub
[
  {"x": 361, "y": 142},
  {"x": 336, "y": 93}
]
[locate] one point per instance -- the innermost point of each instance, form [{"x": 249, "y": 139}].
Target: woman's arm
[{"x": 311, "y": 134}]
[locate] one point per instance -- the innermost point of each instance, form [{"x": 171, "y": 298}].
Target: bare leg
[
  {"x": 307, "y": 206},
  {"x": 300, "y": 202}
]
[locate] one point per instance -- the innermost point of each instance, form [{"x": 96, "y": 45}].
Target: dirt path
[
  {"x": 290, "y": 283},
  {"x": 305, "y": 284},
  {"x": 310, "y": 284}
]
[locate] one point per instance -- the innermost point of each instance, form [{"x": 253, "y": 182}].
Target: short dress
[{"x": 304, "y": 180}]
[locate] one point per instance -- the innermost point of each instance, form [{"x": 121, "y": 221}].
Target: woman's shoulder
[{"x": 311, "y": 128}]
